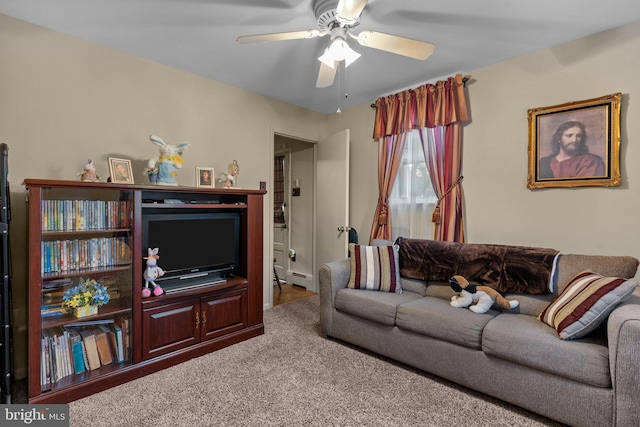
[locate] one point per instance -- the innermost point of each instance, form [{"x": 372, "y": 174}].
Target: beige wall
[
  {"x": 64, "y": 100},
  {"x": 499, "y": 208}
]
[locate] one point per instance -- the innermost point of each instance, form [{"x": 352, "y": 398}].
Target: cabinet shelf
[
  {"x": 84, "y": 272},
  {"x": 87, "y": 376},
  {"x": 111, "y": 309},
  {"x": 84, "y": 233}
]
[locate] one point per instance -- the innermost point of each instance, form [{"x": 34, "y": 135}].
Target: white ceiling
[{"x": 200, "y": 36}]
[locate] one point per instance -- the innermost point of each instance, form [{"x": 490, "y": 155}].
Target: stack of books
[{"x": 83, "y": 346}]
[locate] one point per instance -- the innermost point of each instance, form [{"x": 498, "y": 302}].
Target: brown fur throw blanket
[{"x": 505, "y": 268}]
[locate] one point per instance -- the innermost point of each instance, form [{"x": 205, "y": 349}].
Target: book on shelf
[
  {"x": 123, "y": 323},
  {"x": 104, "y": 349},
  {"x": 57, "y": 283},
  {"x": 78, "y": 355},
  {"x": 110, "y": 332},
  {"x": 91, "y": 348},
  {"x": 45, "y": 365},
  {"x": 119, "y": 343},
  {"x": 54, "y": 311},
  {"x": 84, "y": 355},
  {"x": 82, "y": 323},
  {"x": 81, "y": 215},
  {"x": 61, "y": 256},
  {"x": 56, "y": 356}
]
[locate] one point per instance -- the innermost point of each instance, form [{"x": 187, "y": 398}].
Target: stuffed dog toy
[{"x": 482, "y": 296}]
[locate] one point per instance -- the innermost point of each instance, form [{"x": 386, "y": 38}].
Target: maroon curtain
[
  {"x": 390, "y": 150},
  {"x": 441, "y": 105}
]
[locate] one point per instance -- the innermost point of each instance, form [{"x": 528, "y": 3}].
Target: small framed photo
[
  {"x": 205, "y": 177},
  {"x": 120, "y": 170},
  {"x": 576, "y": 144}
]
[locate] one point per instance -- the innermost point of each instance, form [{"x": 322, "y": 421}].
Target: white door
[
  {"x": 281, "y": 230},
  {"x": 332, "y": 207}
]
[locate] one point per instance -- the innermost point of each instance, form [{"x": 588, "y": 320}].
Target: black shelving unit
[{"x": 6, "y": 356}]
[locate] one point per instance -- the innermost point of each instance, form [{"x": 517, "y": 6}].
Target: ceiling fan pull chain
[{"x": 340, "y": 68}]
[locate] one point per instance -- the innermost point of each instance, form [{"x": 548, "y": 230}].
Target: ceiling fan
[{"x": 338, "y": 18}]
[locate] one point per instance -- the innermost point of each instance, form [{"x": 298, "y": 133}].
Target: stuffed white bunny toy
[
  {"x": 169, "y": 161},
  {"x": 151, "y": 273}
]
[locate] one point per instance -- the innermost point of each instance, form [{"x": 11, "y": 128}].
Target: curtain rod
[{"x": 464, "y": 84}]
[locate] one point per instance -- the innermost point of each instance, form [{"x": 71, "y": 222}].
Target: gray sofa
[{"x": 515, "y": 357}]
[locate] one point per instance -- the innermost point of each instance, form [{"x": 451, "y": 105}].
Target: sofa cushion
[
  {"x": 585, "y": 303},
  {"x": 525, "y": 340},
  {"x": 529, "y": 304},
  {"x": 434, "y": 317},
  {"x": 377, "y": 306},
  {"x": 440, "y": 290},
  {"x": 614, "y": 266},
  {"x": 374, "y": 268},
  {"x": 414, "y": 285}
]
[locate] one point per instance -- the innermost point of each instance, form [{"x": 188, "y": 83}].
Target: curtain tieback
[
  {"x": 382, "y": 217},
  {"x": 435, "y": 216}
]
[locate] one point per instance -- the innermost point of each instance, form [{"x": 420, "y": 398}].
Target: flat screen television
[{"x": 194, "y": 248}]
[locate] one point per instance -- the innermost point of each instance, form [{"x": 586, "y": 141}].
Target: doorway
[{"x": 293, "y": 210}]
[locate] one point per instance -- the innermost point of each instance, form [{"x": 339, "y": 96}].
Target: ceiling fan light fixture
[{"x": 339, "y": 51}]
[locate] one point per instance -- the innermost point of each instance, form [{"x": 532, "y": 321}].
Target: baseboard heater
[{"x": 301, "y": 279}]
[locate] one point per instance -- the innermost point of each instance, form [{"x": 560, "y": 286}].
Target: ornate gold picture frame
[{"x": 576, "y": 144}]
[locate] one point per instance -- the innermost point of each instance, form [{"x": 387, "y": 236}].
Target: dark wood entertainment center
[{"x": 69, "y": 223}]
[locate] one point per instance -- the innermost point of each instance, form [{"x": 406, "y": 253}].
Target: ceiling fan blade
[
  {"x": 395, "y": 44},
  {"x": 274, "y": 37},
  {"x": 326, "y": 75},
  {"x": 348, "y": 11}
]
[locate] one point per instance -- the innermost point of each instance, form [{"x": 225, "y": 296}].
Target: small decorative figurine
[
  {"x": 152, "y": 171},
  {"x": 151, "y": 273},
  {"x": 169, "y": 161},
  {"x": 89, "y": 173},
  {"x": 230, "y": 178}
]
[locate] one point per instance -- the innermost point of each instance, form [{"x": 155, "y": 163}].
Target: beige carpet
[{"x": 292, "y": 376}]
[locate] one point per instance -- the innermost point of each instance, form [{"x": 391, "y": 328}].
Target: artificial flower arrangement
[{"x": 87, "y": 293}]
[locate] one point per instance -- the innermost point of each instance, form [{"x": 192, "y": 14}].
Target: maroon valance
[{"x": 429, "y": 105}]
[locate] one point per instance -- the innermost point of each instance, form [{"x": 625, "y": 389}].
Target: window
[
  {"x": 278, "y": 189},
  {"x": 412, "y": 198}
]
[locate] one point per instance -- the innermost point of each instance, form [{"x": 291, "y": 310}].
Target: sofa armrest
[
  {"x": 332, "y": 277},
  {"x": 623, "y": 330}
]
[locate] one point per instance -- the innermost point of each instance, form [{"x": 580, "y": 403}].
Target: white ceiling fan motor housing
[{"x": 325, "y": 13}]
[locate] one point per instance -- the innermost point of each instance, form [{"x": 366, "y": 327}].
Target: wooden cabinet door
[
  {"x": 224, "y": 313},
  {"x": 170, "y": 327}
]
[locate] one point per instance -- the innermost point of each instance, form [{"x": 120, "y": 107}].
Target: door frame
[{"x": 268, "y": 211}]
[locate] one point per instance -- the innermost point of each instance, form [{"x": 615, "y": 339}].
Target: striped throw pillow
[
  {"x": 375, "y": 268},
  {"x": 585, "y": 303}
]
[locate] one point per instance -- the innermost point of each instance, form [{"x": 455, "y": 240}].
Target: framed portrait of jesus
[{"x": 576, "y": 144}]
